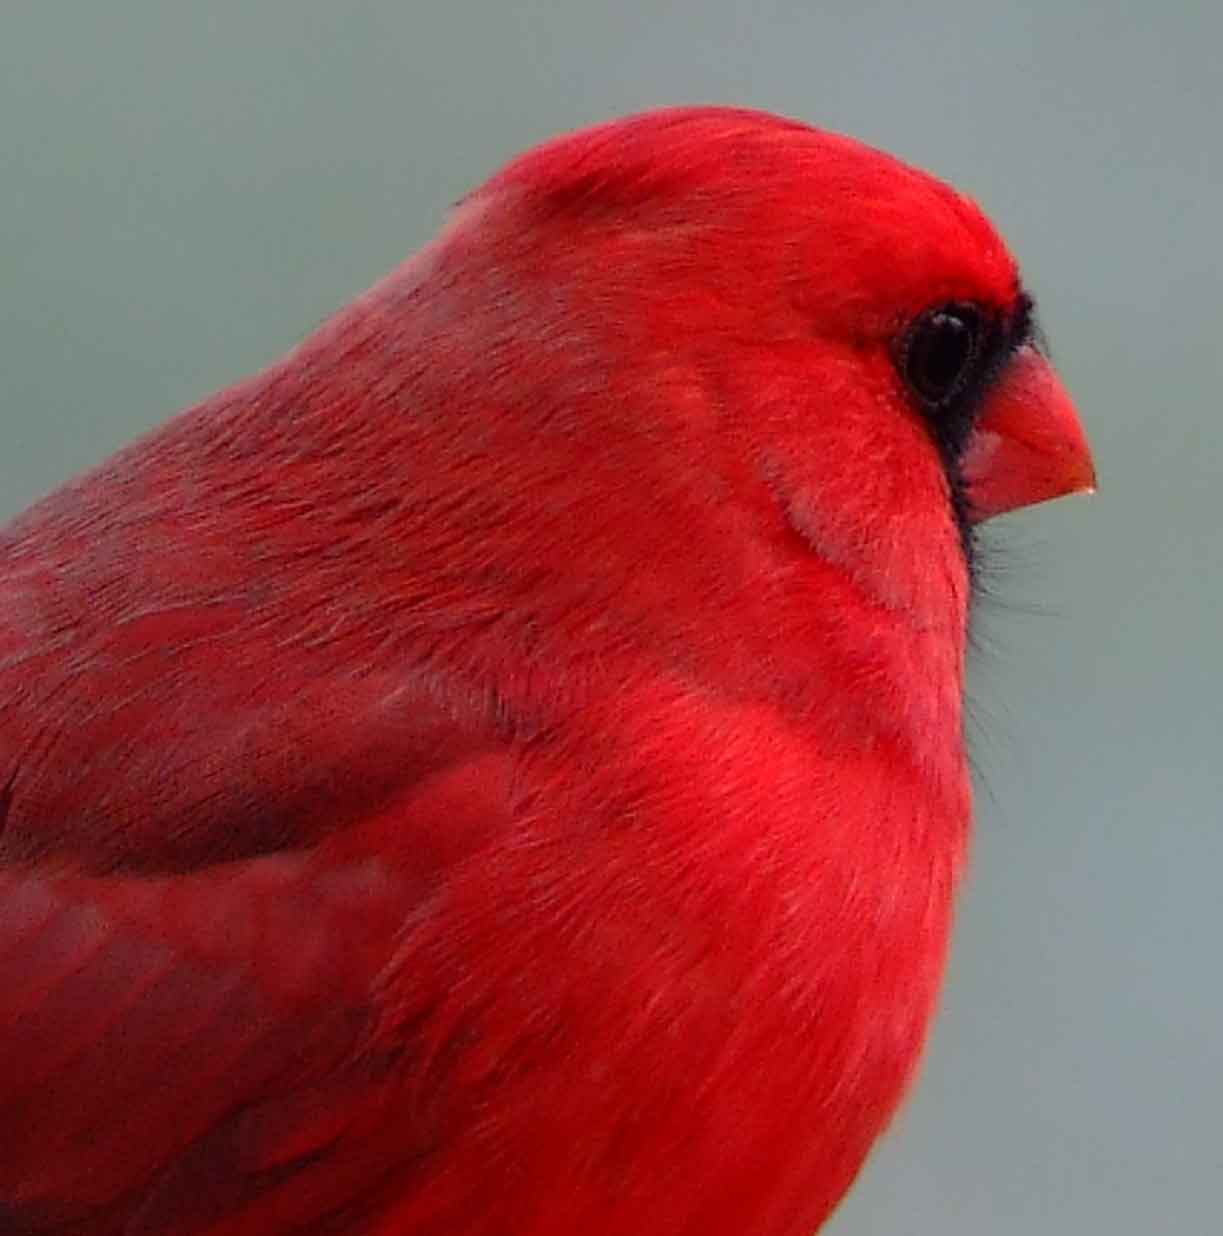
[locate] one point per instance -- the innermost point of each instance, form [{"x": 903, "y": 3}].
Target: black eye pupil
[{"x": 942, "y": 347}]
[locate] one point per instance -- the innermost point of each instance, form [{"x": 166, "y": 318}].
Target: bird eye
[{"x": 940, "y": 351}]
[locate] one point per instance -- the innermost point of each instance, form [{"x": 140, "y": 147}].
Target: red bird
[{"x": 499, "y": 771}]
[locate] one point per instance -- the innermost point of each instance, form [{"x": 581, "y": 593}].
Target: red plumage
[{"x": 500, "y": 770}]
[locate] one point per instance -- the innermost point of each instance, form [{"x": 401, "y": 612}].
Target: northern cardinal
[{"x": 499, "y": 771}]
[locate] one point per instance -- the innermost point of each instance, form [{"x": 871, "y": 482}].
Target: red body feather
[{"x": 500, "y": 771}]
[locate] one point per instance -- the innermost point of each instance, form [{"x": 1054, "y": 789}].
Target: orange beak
[{"x": 1028, "y": 445}]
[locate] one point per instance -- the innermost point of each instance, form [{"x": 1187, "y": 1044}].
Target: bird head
[{"x": 703, "y": 378}]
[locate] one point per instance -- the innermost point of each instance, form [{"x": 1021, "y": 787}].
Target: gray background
[{"x": 187, "y": 189}]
